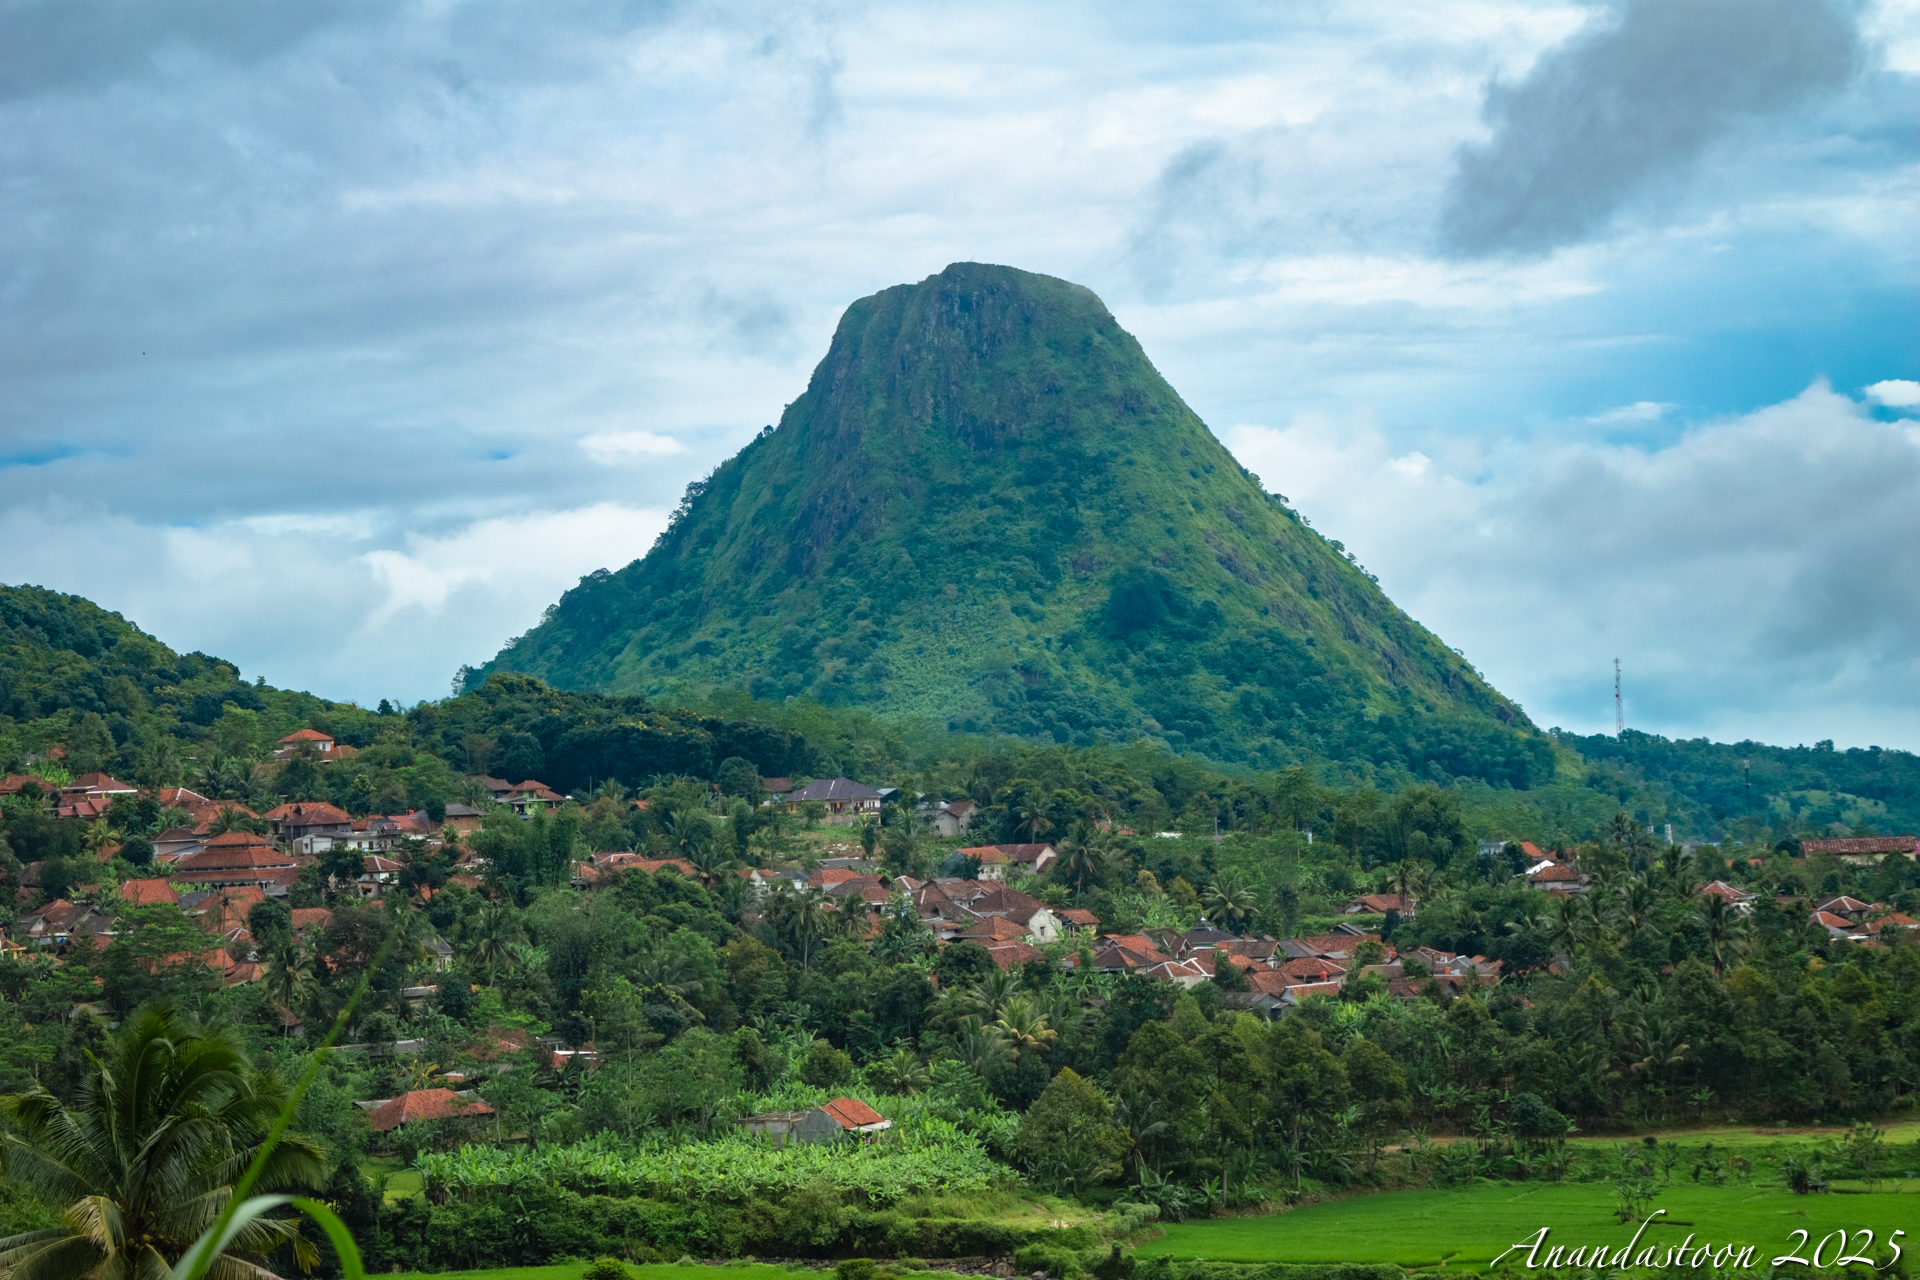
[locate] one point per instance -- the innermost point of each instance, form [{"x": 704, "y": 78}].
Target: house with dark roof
[
  {"x": 844, "y": 799},
  {"x": 950, "y": 817},
  {"x": 60, "y": 922}
]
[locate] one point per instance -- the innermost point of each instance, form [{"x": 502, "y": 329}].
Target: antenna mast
[{"x": 1619, "y": 715}]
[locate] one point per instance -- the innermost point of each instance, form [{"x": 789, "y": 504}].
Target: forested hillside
[
  {"x": 1704, "y": 786},
  {"x": 988, "y": 510}
]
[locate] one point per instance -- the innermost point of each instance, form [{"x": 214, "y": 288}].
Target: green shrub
[
  {"x": 856, "y": 1269},
  {"x": 826, "y": 1067},
  {"x": 1056, "y": 1261},
  {"x": 606, "y": 1269}
]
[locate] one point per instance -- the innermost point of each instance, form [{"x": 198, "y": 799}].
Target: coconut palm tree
[
  {"x": 1081, "y": 858},
  {"x": 146, "y": 1156},
  {"x": 980, "y": 1045},
  {"x": 99, "y": 837},
  {"x": 1231, "y": 899},
  {"x": 290, "y": 976},
  {"x": 988, "y": 996},
  {"x": 687, "y": 833},
  {"x": 1024, "y": 1028},
  {"x": 495, "y": 930},
  {"x": 233, "y": 818},
  {"x": 160, "y": 763},
  {"x": 900, "y": 1072},
  {"x": 710, "y": 859},
  {"x": 1722, "y": 924},
  {"x": 806, "y": 922}
]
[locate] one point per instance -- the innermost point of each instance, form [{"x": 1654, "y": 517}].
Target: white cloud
[
  {"x": 1638, "y": 411},
  {"x": 522, "y": 557},
  {"x": 1895, "y": 393},
  {"x": 1741, "y": 573},
  {"x": 311, "y": 607},
  {"x": 611, "y": 447},
  {"x": 331, "y": 311}
]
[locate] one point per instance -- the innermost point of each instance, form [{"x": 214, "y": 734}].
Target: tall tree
[{"x": 144, "y": 1159}]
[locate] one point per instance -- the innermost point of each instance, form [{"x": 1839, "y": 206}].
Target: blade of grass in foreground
[{"x": 239, "y": 1209}]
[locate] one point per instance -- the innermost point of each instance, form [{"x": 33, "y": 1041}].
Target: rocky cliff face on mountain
[{"x": 989, "y": 509}]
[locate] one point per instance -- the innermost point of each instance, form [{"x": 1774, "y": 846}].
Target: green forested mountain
[
  {"x": 113, "y": 698},
  {"x": 989, "y": 510},
  {"x": 1702, "y": 785},
  {"x": 75, "y": 674}
]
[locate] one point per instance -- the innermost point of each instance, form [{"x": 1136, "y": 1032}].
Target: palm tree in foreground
[{"x": 146, "y": 1158}]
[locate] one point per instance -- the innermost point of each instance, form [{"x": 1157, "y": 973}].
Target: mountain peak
[{"x": 990, "y": 509}]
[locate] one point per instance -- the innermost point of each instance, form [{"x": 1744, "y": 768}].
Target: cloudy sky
[{"x": 337, "y": 337}]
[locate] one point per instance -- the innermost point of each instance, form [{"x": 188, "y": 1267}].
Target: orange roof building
[
  {"x": 238, "y": 858},
  {"x": 424, "y": 1104},
  {"x": 149, "y": 893}
]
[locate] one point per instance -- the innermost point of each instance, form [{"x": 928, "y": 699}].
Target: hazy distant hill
[{"x": 988, "y": 508}]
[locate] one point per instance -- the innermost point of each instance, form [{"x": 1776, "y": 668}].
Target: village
[{"x": 232, "y": 874}]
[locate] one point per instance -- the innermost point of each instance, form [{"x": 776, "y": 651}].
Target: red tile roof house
[
  {"x": 1862, "y": 849},
  {"x": 309, "y": 827},
  {"x": 829, "y": 1122},
  {"x": 239, "y": 858},
  {"x": 1188, "y": 973},
  {"x": 1082, "y": 921},
  {"x": 602, "y": 865},
  {"x": 1839, "y": 927},
  {"x": 149, "y": 893},
  {"x": 1294, "y": 996},
  {"x": 1328, "y": 946},
  {"x": 1380, "y": 903},
  {"x": 1005, "y": 955},
  {"x": 301, "y": 739},
  {"x": 1127, "y": 952},
  {"x": 1739, "y": 899},
  {"x": 1556, "y": 876},
  {"x": 426, "y": 1104},
  {"x": 996, "y": 860}
]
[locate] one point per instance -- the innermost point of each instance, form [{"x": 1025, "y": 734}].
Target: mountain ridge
[{"x": 989, "y": 509}]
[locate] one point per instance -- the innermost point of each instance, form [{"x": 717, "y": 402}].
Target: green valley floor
[{"x": 1465, "y": 1228}]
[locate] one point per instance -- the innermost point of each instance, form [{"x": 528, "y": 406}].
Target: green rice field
[
  {"x": 572, "y": 1271},
  {"x": 1465, "y": 1228}
]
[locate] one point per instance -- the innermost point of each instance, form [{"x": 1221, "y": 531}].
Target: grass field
[
  {"x": 571, "y": 1271},
  {"x": 1466, "y": 1227}
]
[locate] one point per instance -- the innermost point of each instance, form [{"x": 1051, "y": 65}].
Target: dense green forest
[
  {"x": 704, "y": 1003},
  {"x": 989, "y": 511},
  {"x": 116, "y": 699},
  {"x": 1703, "y": 786},
  {"x": 1642, "y": 1002}
]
